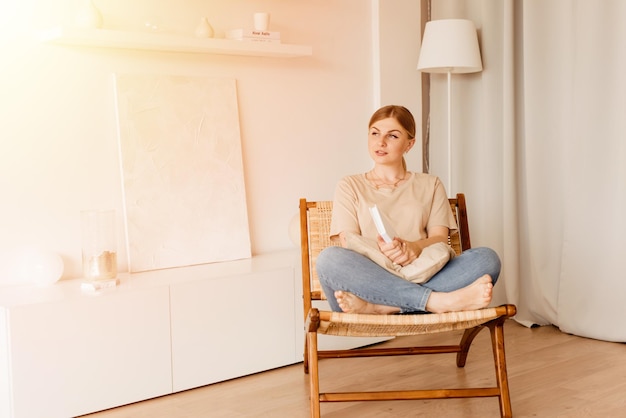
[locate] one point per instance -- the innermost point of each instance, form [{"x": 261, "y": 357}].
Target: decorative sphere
[
  {"x": 88, "y": 17},
  {"x": 38, "y": 266}
]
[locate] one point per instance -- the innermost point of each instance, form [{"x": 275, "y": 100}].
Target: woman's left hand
[{"x": 398, "y": 251}]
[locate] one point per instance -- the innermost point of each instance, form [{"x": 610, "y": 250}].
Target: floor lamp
[{"x": 450, "y": 46}]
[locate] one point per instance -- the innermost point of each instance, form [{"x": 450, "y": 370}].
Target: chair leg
[
  {"x": 314, "y": 381},
  {"x": 306, "y": 354},
  {"x": 466, "y": 342},
  {"x": 497, "y": 342}
]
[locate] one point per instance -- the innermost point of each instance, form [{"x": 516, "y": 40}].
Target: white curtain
[{"x": 540, "y": 150}]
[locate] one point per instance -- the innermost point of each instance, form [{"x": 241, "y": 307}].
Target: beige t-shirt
[{"x": 412, "y": 208}]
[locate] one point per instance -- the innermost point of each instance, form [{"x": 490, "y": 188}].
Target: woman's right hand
[
  {"x": 404, "y": 252},
  {"x": 398, "y": 251}
]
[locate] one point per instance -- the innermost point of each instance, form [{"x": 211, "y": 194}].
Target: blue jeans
[{"x": 342, "y": 269}]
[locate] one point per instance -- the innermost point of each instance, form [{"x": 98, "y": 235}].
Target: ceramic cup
[{"x": 261, "y": 21}]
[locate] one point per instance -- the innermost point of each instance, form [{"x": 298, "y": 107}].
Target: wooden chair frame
[{"x": 314, "y": 228}]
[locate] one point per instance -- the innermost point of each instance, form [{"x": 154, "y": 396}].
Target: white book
[
  {"x": 274, "y": 41},
  {"x": 240, "y": 34},
  {"x": 382, "y": 225}
]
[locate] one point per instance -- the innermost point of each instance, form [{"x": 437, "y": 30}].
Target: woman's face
[{"x": 388, "y": 141}]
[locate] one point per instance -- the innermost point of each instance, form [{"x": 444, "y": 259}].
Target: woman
[{"x": 418, "y": 207}]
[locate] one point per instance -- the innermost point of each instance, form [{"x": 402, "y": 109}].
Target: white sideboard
[
  {"x": 64, "y": 352},
  {"x": 232, "y": 327}
]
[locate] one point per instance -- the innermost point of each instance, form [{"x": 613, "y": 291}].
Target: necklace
[{"x": 378, "y": 182}]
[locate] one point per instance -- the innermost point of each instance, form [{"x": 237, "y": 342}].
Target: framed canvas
[{"x": 182, "y": 170}]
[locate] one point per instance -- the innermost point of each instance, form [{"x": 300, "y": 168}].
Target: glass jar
[{"x": 99, "y": 244}]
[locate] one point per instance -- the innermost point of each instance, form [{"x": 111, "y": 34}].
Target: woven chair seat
[{"x": 360, "y": 325}]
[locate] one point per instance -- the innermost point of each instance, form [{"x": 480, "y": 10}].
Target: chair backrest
[{"x": 315, "y": 236}]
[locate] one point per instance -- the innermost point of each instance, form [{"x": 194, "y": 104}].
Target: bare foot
[
  {"x": 474, "y": 296},
  {"x": 350, "y": 303}
]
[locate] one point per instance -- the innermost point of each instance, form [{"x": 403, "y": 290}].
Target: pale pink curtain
[{"x": 540, "y": 151}]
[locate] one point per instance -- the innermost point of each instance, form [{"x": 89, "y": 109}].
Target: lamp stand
[{"x": 449, "y": 137}]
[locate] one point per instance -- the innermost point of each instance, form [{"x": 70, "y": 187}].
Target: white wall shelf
[{"x": 106, "y": 38}]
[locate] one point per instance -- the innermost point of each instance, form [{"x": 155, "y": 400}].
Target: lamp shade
[{"x": 450, "y": 46}]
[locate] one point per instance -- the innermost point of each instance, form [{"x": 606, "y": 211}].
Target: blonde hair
[{"x": 399, "y": 113}]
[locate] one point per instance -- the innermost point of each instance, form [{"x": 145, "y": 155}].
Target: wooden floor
[{"x": 551, "y": 374}]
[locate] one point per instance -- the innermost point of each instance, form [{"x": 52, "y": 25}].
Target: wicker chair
[{"x": 314, "y": 227}]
